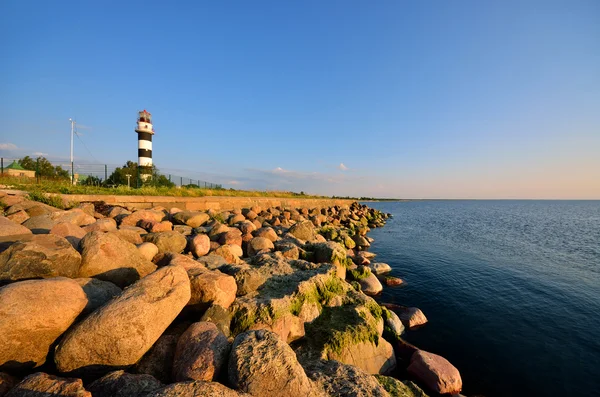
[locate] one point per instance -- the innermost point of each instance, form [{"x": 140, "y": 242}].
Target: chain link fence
[{"x": 109, "y": 175}]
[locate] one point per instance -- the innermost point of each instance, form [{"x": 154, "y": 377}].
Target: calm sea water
[{"x": 511, "y": 290}]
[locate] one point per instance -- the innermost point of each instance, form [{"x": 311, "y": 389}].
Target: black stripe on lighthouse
[
  {"x": 145, "y": 153},
  {"x": 144, "y": 136}
]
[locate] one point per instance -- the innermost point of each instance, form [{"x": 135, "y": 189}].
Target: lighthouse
[{"x": 145, "y": 131}]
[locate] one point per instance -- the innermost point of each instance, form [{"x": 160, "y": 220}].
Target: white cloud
[
  {"x": 8, "y": 146},
  {"x": 39, "y": 154},
  {"x": 233, "y": 182},
  {"x": 342, "y": 167}
]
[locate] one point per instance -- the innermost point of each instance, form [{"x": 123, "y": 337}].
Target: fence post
[
  {"x": 169, "y": 177},
  {"x": 2, "y": 164},
  {"x": 105, "y": 172},
  {"x": 181, "y": 181}
]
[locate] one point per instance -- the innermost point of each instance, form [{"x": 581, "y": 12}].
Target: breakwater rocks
[{"x": 105, "y": 301}]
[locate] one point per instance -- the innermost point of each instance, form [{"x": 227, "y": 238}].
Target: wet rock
[
  {"x": 33, "y": 314},
  {"x": 41, "y": 256},
  {"x": 10, "y": 228},
  {"x": 167, "y": 241},
  {"x": 122, "y": 331},
  {"x": 435, "y": 372},
  {"x": 7, "y": 382},
  {"x": 107, "y": 257},
  {"x": 201, "y": 353},
  {"x": 41, "y": 384},
  {"x": 98, "y": 292},
  {"x": 391, "y": 281},
  {"x": 263, "y": 365},
  {"x": 123, "y": 384}
]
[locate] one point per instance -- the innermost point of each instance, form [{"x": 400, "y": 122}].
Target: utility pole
[{"x": 72, "y": 167}]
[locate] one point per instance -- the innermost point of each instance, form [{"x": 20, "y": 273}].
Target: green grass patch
[
  {"x": 397, "y": 388},
  {"x": 320, "y": 294},
  {"x": 39, "y": 196}
]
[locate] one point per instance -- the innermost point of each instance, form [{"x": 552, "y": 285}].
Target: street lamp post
[{"x": 128, "y": 176}]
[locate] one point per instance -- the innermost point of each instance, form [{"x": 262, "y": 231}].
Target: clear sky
[{"x": 414, "y": 99}]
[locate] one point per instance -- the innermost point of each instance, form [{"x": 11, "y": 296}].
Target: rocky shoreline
[{"x": 107, "y": 301}]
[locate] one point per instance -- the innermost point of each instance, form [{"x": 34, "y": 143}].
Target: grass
[
  {"x": 321, "y": 294},
  {"x": 53, "y": 201},
  {"x": 397, "y": 388},
  {"x": 360, "y": 273},
  {"x": 65, "y": 187}
]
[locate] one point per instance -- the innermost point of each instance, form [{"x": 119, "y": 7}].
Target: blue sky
[{"x": 419, "y": 99}]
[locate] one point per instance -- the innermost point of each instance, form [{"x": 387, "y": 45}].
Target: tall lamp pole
[{"x": 72, "y": 167}]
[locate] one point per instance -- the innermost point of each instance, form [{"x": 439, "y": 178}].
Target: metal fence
[{"x": 101, "y": 174}]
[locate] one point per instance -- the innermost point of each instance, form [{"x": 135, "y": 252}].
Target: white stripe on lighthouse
[
  {"x": 144, "y": 161},
  {"x": 143, "y": 144}
]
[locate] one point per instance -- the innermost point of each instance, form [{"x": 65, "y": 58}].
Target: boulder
[
  {"x": 266, "y": 232},
  {"x": 10, "y": 228},
  {"x": 303, "y": 230},
  {"x": 216, "y": 231},
  {"x": 171, "y": 241},
  {"x": 391, "y": 281},
  {"x": 72, "y": 233},
  {"x": 232, "y": 236},
  {"x": 196, "y": 388},
  {"x": 130, "y": 234},
  {"x": 102, "y": 225},
  {"x": 158, "y": 361},
  {"x": 380, "y": 268},
  {"x": 247, "y": 227},
  {"x": 41, "y": 384},
  {"x": 392, "y": 323},
  {"x": 76, "y": 216},
  {"x": 169, "y": 258},
  {"x": 212, "y": 261},
  {"x": 122, "y": 384},
  {"x": 210, "y": 287},
  {"x": 219, "y": 316},
  {"x": 107, "y": 257},
  {"x": 261, "y": 364},
  {"x": 235, "y": 218},
  {"x": 258, "y": 244},
  {"x": 435, "y": 372},
  {"x": 231, "y": 253},
  {"x": 199, "y": 245},
  {"x": 370, "y": 285},
  {"x": 201, "y": 353},
  {"x": 134, "y": 218},
  {"x": 19, "y": 217},
  {"x": 400, "y": 389},
  {"x": 163, "y": 226},
  {"x": 33, "y": 314},
  {"x": 191, "y": 218},
  {"x": 98, "y": 292},
  {"x": 7, "y": 382},
  {"x": 411, "y": 316},
  {"x": 40, "y": 224},
  {"x": 338, "y": 379},
  {"x": 40, "y": 256},
  {"x": 148, "y": 250},
  {"x": 119, "y": 333}
]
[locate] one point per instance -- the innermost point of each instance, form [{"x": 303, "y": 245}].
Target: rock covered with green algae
[{"x": 396, "y": 388}]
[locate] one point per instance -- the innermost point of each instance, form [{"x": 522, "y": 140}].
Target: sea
[{"x": 511, "y": 290}]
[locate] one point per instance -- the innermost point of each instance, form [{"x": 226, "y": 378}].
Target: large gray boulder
[
  {"x": 118, "y": 334},
  {"x": 40, "y": 256},
  {"x": 107, "y": 257},
  {"x": 72, "y": 233},
  {"x": 262, "y": 364},
  {"x": 201, "y": 353},
  {"x": 33, "y": 314}
]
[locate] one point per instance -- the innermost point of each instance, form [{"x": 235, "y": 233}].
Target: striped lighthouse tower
[{"x": 145, "y": 131}]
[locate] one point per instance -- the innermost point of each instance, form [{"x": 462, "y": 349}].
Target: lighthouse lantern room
[{"x": 145, "y": 130}]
